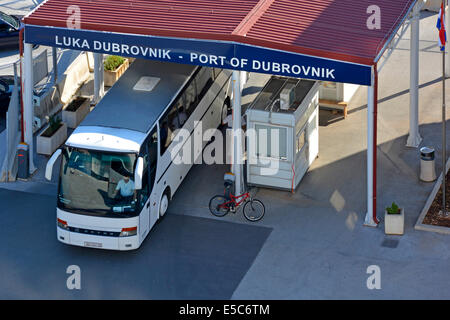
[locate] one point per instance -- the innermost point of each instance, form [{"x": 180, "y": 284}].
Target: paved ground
[{"x": 310, "y": 245}]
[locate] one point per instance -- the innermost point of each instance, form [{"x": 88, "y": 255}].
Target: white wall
[{"x": 12, "y": 132}]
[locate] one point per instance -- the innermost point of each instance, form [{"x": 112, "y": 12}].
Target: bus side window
[
  {"x": 216, "y": 71},
  {"x": 167, "y": 127},
  {"x": 190, "y": 98},
  {"x": 204, "y": 80}
]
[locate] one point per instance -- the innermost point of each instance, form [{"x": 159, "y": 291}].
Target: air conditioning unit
[{"x": 287, "y": 96}]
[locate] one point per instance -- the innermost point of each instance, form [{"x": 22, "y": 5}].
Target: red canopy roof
[{"x": 335, "y": 29}]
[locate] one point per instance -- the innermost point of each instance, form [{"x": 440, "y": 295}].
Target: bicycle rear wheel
[
  {"x": 254, "y": 210},
  {"x": 217, "y": 206}
]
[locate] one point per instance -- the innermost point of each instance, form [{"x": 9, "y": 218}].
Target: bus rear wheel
[
  {"x": 164, "y": 203},
  {"x": 226, "y": 108}
]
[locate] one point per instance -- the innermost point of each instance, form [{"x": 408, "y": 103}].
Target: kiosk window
[
  {"x": 271, "y": 142},
  {"x": 301, "y": 141}
]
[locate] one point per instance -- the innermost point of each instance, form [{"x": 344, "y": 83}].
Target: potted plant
[
  {"x": 394, "y": 220},
  {"x": 52, "y": 136},
  {"x": 114, "y": 67},
  {"x": 75, "y": 111}
]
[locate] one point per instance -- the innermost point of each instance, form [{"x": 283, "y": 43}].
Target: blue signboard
[{"x": 221, "y": 54}]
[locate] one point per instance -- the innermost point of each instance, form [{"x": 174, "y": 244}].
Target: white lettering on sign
[
  {"x": 115, "y": 48},
  {"x": 272, "y": 67}
]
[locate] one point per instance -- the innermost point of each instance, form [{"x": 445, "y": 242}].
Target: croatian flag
[{"x": 441, "y": 27}]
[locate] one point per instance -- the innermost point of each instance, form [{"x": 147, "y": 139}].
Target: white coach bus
[{"x": 117, "y": 175}]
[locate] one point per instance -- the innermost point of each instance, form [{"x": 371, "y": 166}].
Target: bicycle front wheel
[
  {"x": 218, "y": 207},
  {"x": 254, "y": 210}
]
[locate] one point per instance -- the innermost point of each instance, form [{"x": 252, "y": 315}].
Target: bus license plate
[{"x": 93, "y": 244}]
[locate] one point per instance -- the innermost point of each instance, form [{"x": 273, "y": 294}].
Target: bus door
[{"x": 149, "y": 153}]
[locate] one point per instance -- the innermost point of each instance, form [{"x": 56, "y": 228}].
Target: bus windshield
[{"x": 97, "y": 183}]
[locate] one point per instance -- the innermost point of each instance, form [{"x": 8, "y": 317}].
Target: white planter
[
  {"x": 394, "y": 223},
  {"x": 73, "y": 118},
  {"x": 110, "y": 77},
  {"x": 48, "y": 145}
]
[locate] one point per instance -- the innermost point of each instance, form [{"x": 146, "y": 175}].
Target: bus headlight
[
  {"x": 62, "y": 224},
  {"x": 128, "y": 232}
]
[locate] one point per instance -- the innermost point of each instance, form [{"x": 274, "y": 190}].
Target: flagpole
[
  {"x": 444, "y": 132},
  {"x": 444, "y": 139}
]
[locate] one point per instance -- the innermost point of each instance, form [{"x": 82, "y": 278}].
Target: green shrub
[
  {"x": 393, "y": 209},
  {"x": 54, "y": 123},
  {"x": 113, "y": 62}
]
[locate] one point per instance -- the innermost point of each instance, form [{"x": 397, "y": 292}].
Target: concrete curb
[{"x": 426, "y": 227}]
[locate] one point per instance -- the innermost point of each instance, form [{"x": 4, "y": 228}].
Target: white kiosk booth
[{"x": 285, "y": 121}]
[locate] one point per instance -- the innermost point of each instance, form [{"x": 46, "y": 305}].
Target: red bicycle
[{"x": 220, "y": 205}]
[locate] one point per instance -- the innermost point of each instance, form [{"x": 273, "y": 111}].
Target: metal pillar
[
  {"x": 99, "y": 84},
  {"x": 28, "y": 108},
  {"x": 371, "y": 219},
  {"x": 414, "y": 138},
  {"x": 237, "y": 132},
  {"x": 244, "y": 76},
  {"x": 55, "y": 64}
]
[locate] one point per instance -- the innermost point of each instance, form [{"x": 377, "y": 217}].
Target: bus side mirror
[
  {"x": 50, "y": 164},
  {"x": 138, "y": 173}
]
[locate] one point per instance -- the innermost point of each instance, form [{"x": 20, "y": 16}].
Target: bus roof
[{"x": 136, "y": 110}]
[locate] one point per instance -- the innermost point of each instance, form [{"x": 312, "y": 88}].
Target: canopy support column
[
  {"x": 244, "y": 77},
  {"x": 371, "y": 219},
  {"x": 414, "y": 138},
  {"x": 28, "y": 108},
  {"x": 237, "y": 132},
  {"x": 99, "y": 84},
  {"x": 55, "y": 64}
]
